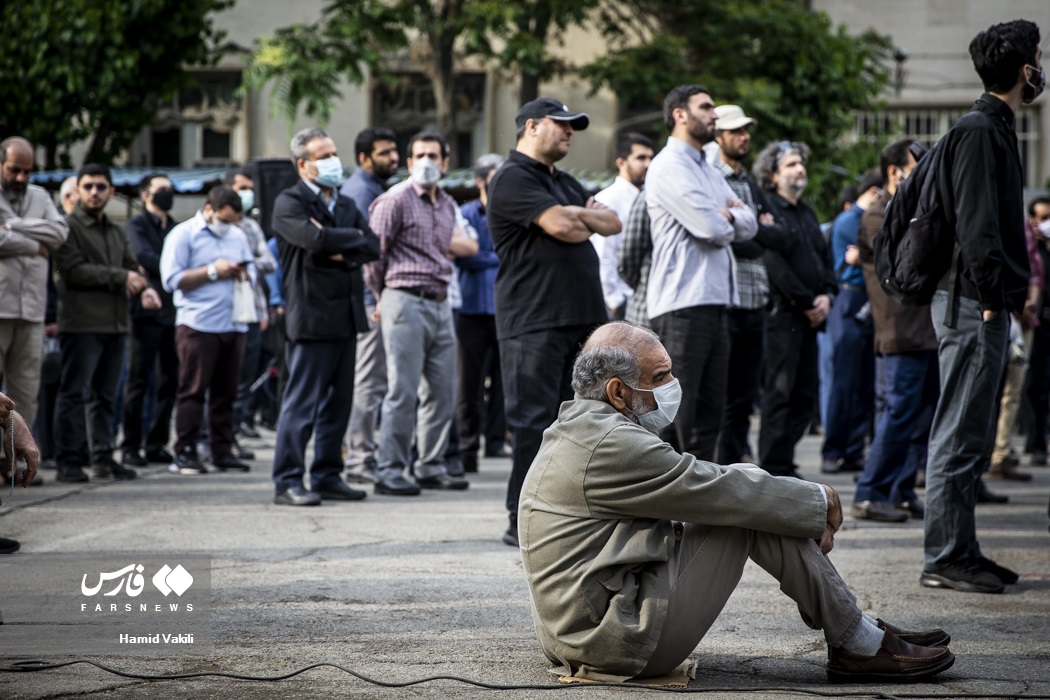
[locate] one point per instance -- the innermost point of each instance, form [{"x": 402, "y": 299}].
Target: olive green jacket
[
  {"x": 596, "y": 532},
  {"x": 91, "y": 273}
]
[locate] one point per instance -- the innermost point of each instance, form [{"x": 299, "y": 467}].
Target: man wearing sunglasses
[{"x": 97, "y": 273}]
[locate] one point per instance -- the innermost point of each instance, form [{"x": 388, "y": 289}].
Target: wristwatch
[{"x": 213, "y": 273}]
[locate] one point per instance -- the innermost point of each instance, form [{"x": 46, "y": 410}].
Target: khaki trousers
[
  {"x": 21, "y": 352},
  {"x": 707, "y": 567}
]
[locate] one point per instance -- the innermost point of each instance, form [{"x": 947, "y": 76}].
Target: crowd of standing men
[{"x": 413, "y": 333}]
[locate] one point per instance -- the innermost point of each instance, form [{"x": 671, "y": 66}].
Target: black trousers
[
  {"x": 317, "y": 402},
  {"x": 478, "y": 360},
  {"x": 747, "y": 334},
  {"x": 91, "y": 366},
  {"x": 696, "y": 338},
  {"x": 152, "y": 345},
  {"x": 790, "y": 389},
  {"x": 537, "y": 378},
  {"x": 1037, "y": 392}
]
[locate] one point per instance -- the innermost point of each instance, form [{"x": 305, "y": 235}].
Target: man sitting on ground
[{"x": 632, "y": 549}]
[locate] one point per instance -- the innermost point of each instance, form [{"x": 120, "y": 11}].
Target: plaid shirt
[
  {"x": 752, "y": 280},
  {"x": 634, "y": 259},
  {"x": 415, "y": 235}
]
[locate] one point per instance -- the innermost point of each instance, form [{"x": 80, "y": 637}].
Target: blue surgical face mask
[
  {"x": 329, "y": 172},
  {"x": 247, "y": 199},
  {"x": 668, "y": 397}
]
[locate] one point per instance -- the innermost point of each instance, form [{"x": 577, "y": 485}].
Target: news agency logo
[{"x": 131, "y": 580}]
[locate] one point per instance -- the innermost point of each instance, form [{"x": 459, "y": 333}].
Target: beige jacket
[
  {"x": 24, "y": 225},
  {"x": 596, "y": 532}
]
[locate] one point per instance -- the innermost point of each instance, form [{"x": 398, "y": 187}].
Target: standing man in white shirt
[
  {"x": 695, "y": 218},
  {"x": 634, "y": 152}
]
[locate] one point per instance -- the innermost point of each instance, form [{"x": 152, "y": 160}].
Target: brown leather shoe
[
  {"x": 926, "y": 638},
  {"x": 896, "y": 662}
]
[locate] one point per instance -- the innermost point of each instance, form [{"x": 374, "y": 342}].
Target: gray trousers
[
  {"x": 21, "y": 354},
  {"x": 369, "y": 390},
  {"x": 420, "y": 364},
  {"x": 706, "y": 569},
  {"x": 972, "y": 359}
]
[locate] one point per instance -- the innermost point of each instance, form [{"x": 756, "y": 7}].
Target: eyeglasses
[
  {"x": 783, "y": 148},
  {"x": 92, "y": 186}
]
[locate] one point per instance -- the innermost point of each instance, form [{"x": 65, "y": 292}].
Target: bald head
[
  {"x": 617, "y": 350},
  {"x": 624, "y": 335},
  {"x": 16, "y": 163}
]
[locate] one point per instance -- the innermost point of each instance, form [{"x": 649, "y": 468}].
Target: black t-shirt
[{"x": 542, "y": 282}]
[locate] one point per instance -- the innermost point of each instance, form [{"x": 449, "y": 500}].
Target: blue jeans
[
  {"x": 972, "y": 359},
  {"x": 907, "y": 389},
  {"x": 852, "y": 393}
]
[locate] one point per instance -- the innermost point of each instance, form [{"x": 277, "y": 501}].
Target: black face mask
[
  {"x": 1032, "y": 90},
  {"x": 164, "y": 199}
]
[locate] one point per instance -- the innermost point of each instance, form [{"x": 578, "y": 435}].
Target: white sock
[{"x": 866, "y": 639}]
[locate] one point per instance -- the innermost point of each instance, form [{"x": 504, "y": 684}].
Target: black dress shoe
[
  {"x": 296, "y": 496},
  {"x": 230, "y": 463},
  {"x": 338, "y": 491},
  {"x": 443, "y": 482},
  {"x": 8, "y": 546},
  {"x": 159, "y": 456},
  {"x": 71, "y": 475},
  {"x": 396, "y": 485},
  {"x": 242, "y": 452},
  {"x": 985, "y": 495},
  {"x": 132, "y": 458},
  {"x": 110, "y": 468}
]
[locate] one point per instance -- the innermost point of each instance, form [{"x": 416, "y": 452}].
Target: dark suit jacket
[{"x": 324, "y": 297}]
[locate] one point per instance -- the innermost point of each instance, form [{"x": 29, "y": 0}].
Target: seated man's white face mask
[{"x": 668, "y": 397}]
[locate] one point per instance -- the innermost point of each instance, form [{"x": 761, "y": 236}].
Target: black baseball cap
[{"x": 555, "y": 109}]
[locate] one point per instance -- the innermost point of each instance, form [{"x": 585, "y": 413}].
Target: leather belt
[{"x": 424, "y": 294}]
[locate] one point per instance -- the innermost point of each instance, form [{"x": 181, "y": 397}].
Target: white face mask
[
  {"x": 1044, "y": 228},
  {"x": 219, "y": 228},
  {"x": 425, "y": 172},
  {"x": 668, "y": 397}
]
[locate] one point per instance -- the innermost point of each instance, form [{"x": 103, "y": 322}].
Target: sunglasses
[{"x": 92, "y": 186}]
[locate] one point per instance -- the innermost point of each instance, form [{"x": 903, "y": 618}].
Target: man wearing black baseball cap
[
  {"x": 553, "y": 109},
  {"x": 548, "y": 290}
]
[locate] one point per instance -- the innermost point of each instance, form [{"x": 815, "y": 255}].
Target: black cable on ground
[{"x": 37, "y": 665}]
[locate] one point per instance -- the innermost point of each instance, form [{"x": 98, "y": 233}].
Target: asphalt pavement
[{"x": 398, "y": 589}]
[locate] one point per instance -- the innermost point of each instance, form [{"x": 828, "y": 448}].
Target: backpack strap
[{"x": 951, "y": 311}]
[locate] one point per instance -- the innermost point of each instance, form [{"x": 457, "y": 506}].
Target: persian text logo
[{"x": 166, "y": 580}]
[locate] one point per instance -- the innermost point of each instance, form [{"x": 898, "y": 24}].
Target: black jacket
[
  {"x": 773, "y": 237},
  {"x": 982, "y": 190},
  {"x": 146, "y": 237},
  {"x": 802, "y": 270},
  {"x": 324, "y": 297},
  {"x": 92, "y": 272}
]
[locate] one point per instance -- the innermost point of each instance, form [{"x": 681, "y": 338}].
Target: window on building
[
  {"x": 204, "y": 124},
  {"x": 929, "y": 125},
  {"x": 405, "y": 104}
]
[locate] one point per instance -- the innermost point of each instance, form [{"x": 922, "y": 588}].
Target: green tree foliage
[
  {"x": 789, "y": 67},
  {"x": 305, "y": 64},
  {"x": 84, "y": 69}
]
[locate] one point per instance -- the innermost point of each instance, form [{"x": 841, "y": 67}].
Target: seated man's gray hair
[{"x": 594, "y": 367}]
